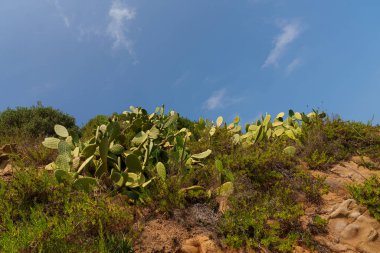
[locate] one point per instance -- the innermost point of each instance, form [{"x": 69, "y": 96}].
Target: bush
[
  {"x": 326, "y": 141},
  {"x": 368, "y": 194},
  {"x": 264, "y": 210},
  {"x": 34, "y": 121},
  {"x": 40, "y": 215},
  {"x": 258, "y": 219},
  {"x": 87, "y": 130}
]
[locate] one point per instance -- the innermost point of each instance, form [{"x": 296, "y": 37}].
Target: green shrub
[
  {"x": 258, "y": 219},
  {"x": 40, "y": 215},
  {"x": 87, "y": 131},
  {"x": 318, "y": 225},
  {"x": 33, "y": 121},
  {"x": 29, "y": 152},
  {"x": 326, "y": 141},
  {"x": 368, "y": 194},
  {"x": 264, "y": 211}
]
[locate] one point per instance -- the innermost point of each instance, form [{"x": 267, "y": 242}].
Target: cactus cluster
[
  {"x": 127, "y": 153},
  {"x": 265, "y": 128}
]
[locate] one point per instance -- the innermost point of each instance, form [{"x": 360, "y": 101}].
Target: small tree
[{"x": 34, "y": 121}]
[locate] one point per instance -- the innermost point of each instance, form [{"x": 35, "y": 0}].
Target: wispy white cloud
[
  {"x": 218, "y": 99},
  {"x": 293, "y": 65},
  {"x": 61, "y": 13},
  {"x": 119, "y": 15},
  {"x": 181, "y": 79},
  {"x": 289, "y": 32}
]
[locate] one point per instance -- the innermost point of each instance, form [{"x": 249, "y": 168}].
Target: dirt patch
[{"x": 163, "y": 234}]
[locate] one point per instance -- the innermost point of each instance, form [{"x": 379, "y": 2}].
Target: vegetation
[
  {"x": 41, "y": 215},
  {"x": 94, "y": 188},
  {"x": 88, "y": 128},
  {"x": 368, "y": 194},
  {"x": 328, "y": 141},
  {"x": 32, "y": 122}
]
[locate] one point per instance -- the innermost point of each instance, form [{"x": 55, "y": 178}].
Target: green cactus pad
[
  {"x": 202, "y": 155},
  {"x": 117, "y": 149},
  {"x": 51, "y": 142},
  {"x": 61, "y": 131},
  {"x": 219, "y": 121},
  {"x": 161, "y": 170},
  {"x": 133, "y": 163}
]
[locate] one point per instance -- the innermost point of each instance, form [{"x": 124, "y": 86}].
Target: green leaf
[
  {"x": 100, "y": 170},
  {"x": 117, "y": 178},
  {"x": 76, "y": 152},
  {"x": 258, "y": 133},
  {"x": 51, "y": 142},
  {"x": 133, "y": 163},
  {"x": 290, "y": 134},
  {"x": 103, "y": 150},
  {"x": 280, "y": 115},
  {"x": 219, "y": 166},
  {"x": 147, "y": 182},
  {"x": 266, "y": 120},
  {"x": 140, "y": 138},
  {"x": 278, "y": 131},
  {"x": 170, "y": 120},
  {"x": 132, "y": 180},
  {"x": 290, "y": 150},
  {"x": 64, "y": 148},
  {"x": 113, "y": 130},
  {"x": 154, "y": 133},
  {"x": 212, "y": 131},
  {"x": 89, "y": 150},
  {"x": 192, "y": 188},
  {"x": 61, "y": 131},
  {"x": 236, "y": 139},
  {"x": 63, "y": 162},
  {"x": 219, "y": 121},
  {"x": 51, "y": 166},
  {"x": 161, "y": 170},
  {"x": 253, "y": 127},
  {"x": 202, "y": 155},
  {"x": 291, "y": 113},
  {"x": 297, "y": 116},
  {"x": 85, "y": 164},
  {"x": 117, "y": 149},
  {"x": 226, "y": 189},
  {"x": 236, "y": 129}
]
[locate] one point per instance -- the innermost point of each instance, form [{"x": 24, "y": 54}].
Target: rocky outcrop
[{"x": 350, "y": 227}]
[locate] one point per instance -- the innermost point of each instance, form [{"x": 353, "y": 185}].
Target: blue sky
[{"x": 201, "y": 58}]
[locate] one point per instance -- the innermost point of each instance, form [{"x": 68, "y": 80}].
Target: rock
[
  {"x": 5, "y": 170},
  {"x": 351, "y": 228},
  {"x": 200, "y": 244},
  {"x": 343, "y": 209}
]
